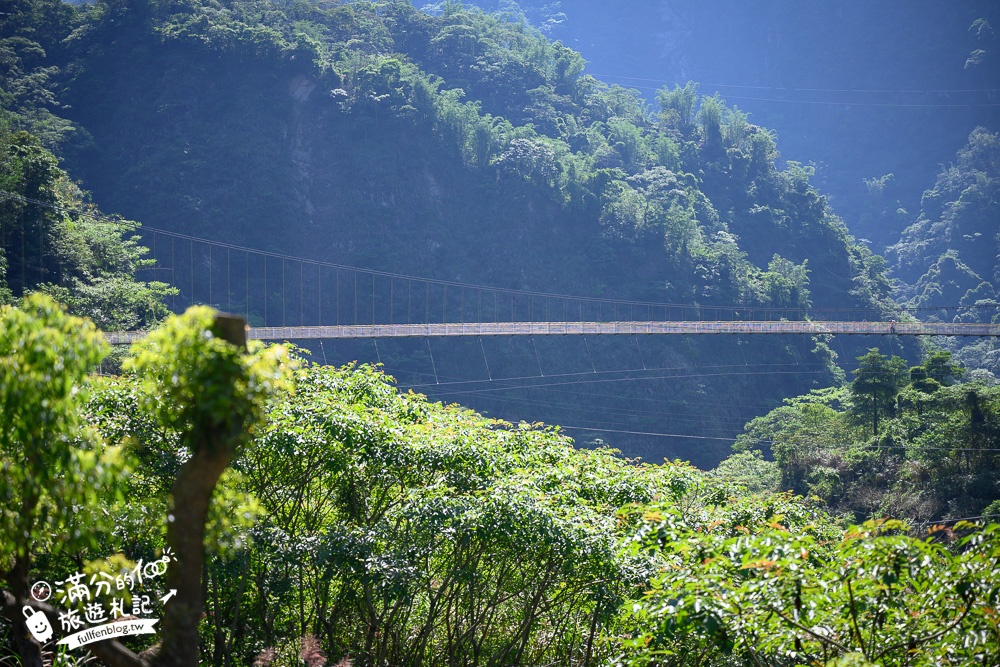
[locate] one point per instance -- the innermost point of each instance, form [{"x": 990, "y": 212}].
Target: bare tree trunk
[
  {"x": 27, "y": 648},
  {"x": 192, "y": 493}
]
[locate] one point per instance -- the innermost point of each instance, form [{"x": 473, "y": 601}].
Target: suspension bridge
[
  {"x": 284, "y": 297},
  {"x": 553, "y": 357},
  {"x": 600, "y": 328}
]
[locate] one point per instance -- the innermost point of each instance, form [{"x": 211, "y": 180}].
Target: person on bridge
[{"x": 892, "y": 326}]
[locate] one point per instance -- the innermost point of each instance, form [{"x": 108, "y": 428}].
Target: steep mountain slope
[
  {"x": 464, "y": 147},
  {"x": 53, "y": 240},
  {"x": 863, "y": 89},
  {"x": 950, "y": 255}
]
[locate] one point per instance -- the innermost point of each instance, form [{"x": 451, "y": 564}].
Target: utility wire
[
  {"x": 604, "y": 372},
  {"x": 705, "y": 437},
  {"x": 829, "y": 102},
  {"x": 803, "y": 90},
  {"x": 631, "y": 399},
  {"x": 587, "y": 410},
  {"x": 627, "y": 379},
  {"x": 846, "y": 103},
  {"x": 663, "y": 435}
]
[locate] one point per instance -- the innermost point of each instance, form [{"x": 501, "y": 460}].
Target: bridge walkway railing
[{"x": 603, "y": 328}]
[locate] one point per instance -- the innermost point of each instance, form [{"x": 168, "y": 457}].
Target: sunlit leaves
[
  {"x": 198, "y": 383},
  {"x": 54, "y": 472},
  {"x": 787, "y": 589},
  {"x": 416, "y": 517}
]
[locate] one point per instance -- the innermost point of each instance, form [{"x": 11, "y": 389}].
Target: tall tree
[
  {"x": 877, "y": 381},
  {"x": 940, "y": 367},
  {"x": 201, "y": 384},
  {"x": 51, "y": 475}
]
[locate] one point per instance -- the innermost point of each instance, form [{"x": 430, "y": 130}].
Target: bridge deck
[{"x": 569, "y": 328}]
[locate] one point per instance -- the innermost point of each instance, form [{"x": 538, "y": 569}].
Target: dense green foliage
[
  {"x": 932, "y": 453},
  {"x": 686, "y": 205},
  {"x": 398, "y": 531},
  {"x": 52, "y": 240},
  {"x": 66, "y": 490},
  {"x": 461, "y": 146},
  {"x": 877, "y": 384},
  {"x": 56, "y": 475},
  {"x": 54, "y": 471},
  {"x": 816, "y": 68},
  {"x": 949, "y": 256},
  {"x": 739, "y": 586},
  {"x": 361, "y": 521},
  {"x": 532, "y": 119}
]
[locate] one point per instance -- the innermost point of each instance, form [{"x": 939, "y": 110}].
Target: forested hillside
[
  {"x": 460, "y": 146},
  {"x": 368, "y": 527},
  {"x": 55, "y": 240},
  {"x": 900, "y": 442},
  {"x": 305, "y": 511},
  {"x": 876, "y": 94},
  {"x": 950, "y": 255}
]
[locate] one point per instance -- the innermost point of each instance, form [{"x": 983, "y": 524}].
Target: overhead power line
[
  {"x": 802, "y": 90},
  {"x": 606, "y": 372},
  {"x": 848, "y": 103},
  {"x": 663, "y": 435},
  {"x": 589, "y": 410},
  {"x": 834, "y": 446},
  {"x": 839, "y": 103},
  {"x": 626, "y": 379}
]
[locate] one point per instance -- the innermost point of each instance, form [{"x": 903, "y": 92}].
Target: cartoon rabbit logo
[{"x": 38, "y": 624}]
